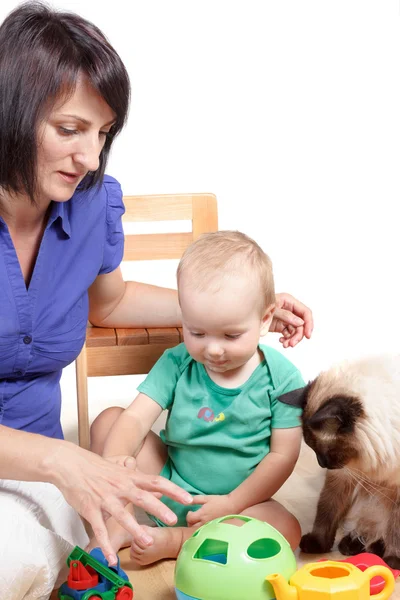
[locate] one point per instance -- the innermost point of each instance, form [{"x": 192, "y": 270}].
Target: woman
[{"x": 64, "y": 96}]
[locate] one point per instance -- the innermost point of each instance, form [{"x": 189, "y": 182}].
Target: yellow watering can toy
[{"x": 331, "y": 580}]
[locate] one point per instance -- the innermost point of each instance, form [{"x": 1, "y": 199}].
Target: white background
[{"x": 289, "y": 111}]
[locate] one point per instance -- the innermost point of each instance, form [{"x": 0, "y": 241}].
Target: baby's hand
[
  {"x": 123, "y": 460},
  {"x": 213, "y": 507}
]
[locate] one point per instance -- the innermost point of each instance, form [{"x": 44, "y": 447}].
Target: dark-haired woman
[{"x": 64, "y": 96}]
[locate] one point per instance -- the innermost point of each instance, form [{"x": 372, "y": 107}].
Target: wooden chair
[{"x": 134, "y": 351}]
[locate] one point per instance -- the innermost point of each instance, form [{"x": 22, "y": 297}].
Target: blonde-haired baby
[{"x": 228, "y": 440}]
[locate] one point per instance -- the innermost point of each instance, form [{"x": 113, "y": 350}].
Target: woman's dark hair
[{"x": 42, "y": 54}]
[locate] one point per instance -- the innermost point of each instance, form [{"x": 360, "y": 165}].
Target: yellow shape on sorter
[{"x": 331, "y": 580}]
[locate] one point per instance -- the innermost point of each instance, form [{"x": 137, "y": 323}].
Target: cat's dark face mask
[{"x": 329, "y": 428}]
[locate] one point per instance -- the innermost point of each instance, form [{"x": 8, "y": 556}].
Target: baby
[{"x": 228, "y": 440}]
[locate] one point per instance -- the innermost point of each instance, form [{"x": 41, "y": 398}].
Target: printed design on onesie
[{"x": 207, "y": 415}]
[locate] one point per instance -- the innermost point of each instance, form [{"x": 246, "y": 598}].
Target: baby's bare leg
[
  {"x": 168, "y": 541},
  {"x": 101, "y": 427},
  {"x": 276, "y": 515},
  {"x": 150, "y": 459}
]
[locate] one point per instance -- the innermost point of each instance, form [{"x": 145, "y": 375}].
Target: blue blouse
[{"x": 42, "y": 328}]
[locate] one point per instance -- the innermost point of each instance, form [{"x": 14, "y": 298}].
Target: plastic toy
[
  {"x": 91, "y": 577},
  {"x": 331, "y": 580},
  {"x": 223, "y": 560},
  {"x": 365, "y": 560}
]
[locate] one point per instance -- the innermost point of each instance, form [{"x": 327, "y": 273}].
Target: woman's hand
[
  {"x": 98, "y": 488},
  {"x": 292, "y": 319},
  {"x": 123, "y": 460}
]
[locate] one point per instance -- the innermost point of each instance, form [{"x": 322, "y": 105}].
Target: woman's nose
[{"x": 88, "y": 154}]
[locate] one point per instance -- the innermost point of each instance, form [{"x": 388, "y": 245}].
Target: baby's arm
[
  {"x": 272, "y": 472},
  {"x": 130, "y": 429},
  {"x": 266, "y": 479}
]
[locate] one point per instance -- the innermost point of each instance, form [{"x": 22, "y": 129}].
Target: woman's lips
[{"x": 69, "y": 177}]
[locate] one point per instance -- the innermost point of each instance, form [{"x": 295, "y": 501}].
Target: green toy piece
[{"x": 224, "y": 561}]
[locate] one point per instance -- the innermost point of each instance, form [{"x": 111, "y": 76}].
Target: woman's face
[{"x": 70, "y": 141}]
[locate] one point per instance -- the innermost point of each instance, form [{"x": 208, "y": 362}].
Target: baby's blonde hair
[{"x": 215, "y": 257}]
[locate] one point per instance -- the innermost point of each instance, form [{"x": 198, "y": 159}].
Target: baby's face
[{"x": 222, "y": 329}]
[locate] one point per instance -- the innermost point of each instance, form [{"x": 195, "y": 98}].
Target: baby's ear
[{"x": 267, "y": 319}]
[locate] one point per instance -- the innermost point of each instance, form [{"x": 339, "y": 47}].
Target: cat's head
[
  {"x": 351, "y": 416},
  {"x": 331, "y": 415},
  {"x": 330, "y": 425}
]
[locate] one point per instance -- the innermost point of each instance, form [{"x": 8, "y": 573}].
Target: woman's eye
[{"x": 66, "y": 131}]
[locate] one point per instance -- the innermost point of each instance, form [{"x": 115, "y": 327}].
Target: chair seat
[{"x": 127, "y": 351}]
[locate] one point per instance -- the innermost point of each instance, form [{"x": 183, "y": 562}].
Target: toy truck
[{"x": 90, "y": 577}]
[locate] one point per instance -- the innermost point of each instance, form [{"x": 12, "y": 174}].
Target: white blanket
[{"x": 38, "y": 529}]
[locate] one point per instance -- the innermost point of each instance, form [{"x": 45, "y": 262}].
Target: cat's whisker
[
  {"x": 368, "y": 479},
  {"x": 366, "y": 484}
]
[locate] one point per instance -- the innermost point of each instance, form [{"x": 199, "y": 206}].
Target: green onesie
[{"x": 217, "y": 436}]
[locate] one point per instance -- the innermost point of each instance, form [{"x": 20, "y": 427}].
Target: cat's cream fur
[{"x": 352, "y": 420}]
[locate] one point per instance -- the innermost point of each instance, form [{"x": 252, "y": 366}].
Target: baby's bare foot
[
  {"x": 119, "y": 538},
  {"x": 167, "y": 544}
]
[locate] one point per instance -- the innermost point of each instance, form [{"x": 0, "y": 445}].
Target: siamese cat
[{"x": 351, "y": 420}]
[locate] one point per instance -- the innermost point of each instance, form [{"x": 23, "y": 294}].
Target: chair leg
[{"x": 82, "y": 399}]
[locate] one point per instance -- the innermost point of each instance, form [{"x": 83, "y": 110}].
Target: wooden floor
[{"x": 299, "y": 495}]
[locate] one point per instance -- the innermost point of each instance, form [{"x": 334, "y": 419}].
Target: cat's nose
[{"x": 322, "y": 461}]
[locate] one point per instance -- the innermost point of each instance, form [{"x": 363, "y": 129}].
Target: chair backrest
[
  {"x": 200, "y": 209},
  {"x": 134, "y": 351}
]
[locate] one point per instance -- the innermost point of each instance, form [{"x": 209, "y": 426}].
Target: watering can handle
[{"x": 387, "y": 575}]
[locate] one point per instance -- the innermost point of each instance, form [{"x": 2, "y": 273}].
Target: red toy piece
[
  {"x": 81, "y": 577},
  {"x": 365, "y": 560},
  {"x": 124, "y": 593}
]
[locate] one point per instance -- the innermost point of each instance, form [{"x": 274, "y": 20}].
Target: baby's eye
[
  {"x": 232, "y": 336},
  {"x": 197, "y": 335},
  {"x": 66, "y": 131}
]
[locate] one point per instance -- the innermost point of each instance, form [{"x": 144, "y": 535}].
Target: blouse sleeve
[{"x": 114, "y": 234}]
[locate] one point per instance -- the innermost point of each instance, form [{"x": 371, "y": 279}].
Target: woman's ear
[{"x": 267, "y": 319}]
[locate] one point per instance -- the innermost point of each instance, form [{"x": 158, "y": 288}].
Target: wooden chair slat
[
  {"x": 100, "y": 336},
  {"x": 132, "y": 337},
  {"x": 164, "y": 335},
  {"x": 156, "y": 246},
  {"x": 158, "y": 208}
]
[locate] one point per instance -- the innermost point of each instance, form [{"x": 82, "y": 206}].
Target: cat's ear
[
  {"x": 296, "y": 398},
  {"x": 338, "y": 415}
]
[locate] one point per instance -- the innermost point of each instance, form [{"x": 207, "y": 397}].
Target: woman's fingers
[
  {"x": 95, "y": 518},
  {"x": 156, "y": 483}
]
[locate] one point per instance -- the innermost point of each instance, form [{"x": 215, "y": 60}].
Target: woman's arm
[
  {"x": 95, "y": 487},
  {"x": 116, "y": 303}
]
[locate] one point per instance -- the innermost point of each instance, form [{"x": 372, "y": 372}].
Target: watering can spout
[{"x": 283, "y": 591}]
